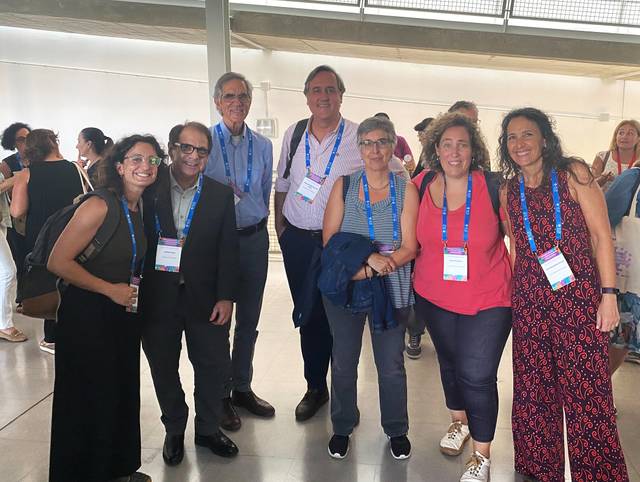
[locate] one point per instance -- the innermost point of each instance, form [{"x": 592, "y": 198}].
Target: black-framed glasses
[
  {"x": 188, "y": 149},
  {"x": 380, "y": 143},
  {"x": 137, "y": 159},
  {"x": 244, "y": 97}
]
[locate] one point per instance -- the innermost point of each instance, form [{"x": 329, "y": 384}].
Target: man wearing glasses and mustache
[{"x": 243, "y": 159}]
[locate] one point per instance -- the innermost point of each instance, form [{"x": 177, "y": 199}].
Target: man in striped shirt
[{"x": 326, "y": 150}]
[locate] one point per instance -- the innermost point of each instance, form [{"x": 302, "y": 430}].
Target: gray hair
[
  {"x": 377, "y": 123},
  {"x": 323, "y": 68},
  {"x": 217, "y": 91}
]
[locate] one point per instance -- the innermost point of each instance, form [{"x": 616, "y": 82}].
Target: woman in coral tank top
[{"x": 463, "y": 283}]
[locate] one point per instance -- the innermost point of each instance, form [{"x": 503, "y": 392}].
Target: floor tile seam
[{"x": 24, "y": 412}]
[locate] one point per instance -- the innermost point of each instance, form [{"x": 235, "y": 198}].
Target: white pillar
[{"x": 218, "y": 48}]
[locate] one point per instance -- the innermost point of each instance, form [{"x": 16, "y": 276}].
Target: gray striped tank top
[{"x": 398, "y": 283}]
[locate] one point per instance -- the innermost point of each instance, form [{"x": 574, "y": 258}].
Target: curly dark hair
[
  {"x": 552, "y": 154},
  {"x": 108, "y": 176},
  {"x": 479, "y": 153},
  {"x": 9, "y": 135}
]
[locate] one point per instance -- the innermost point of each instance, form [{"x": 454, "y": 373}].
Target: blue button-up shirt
[{"x": 254, "y": 205}]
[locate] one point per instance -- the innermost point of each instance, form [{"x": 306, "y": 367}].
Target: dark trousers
[
  {"x": 469, "y": 349},
  {"x": 297, "y": 246},
  {"x": 254, "y": 261},
  {"x": 208, "y": 348},
  {"x": 49, "y": 331},
  {"x": 388, "y": 353}
]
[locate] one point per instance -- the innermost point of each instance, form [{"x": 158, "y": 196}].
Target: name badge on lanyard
[
  {"x": 553, "y": 262},
  {"x": 311, "y": 184},
  {"x": 384, "y": 249},
  {"x": 455, "y": 266},
  {"x": 238, "y": 193},
  {"x": 169, "y": 250},
  {"x": 134, "y": 281}
]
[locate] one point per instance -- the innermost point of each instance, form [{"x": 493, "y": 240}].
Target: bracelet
[
  {"x": 373, "y": 271},
  {"x": 609, "y": 291},
  {"x": 365, "y": 271}
]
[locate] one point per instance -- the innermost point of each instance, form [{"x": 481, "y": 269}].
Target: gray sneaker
[{"x": 414, "y": 350}]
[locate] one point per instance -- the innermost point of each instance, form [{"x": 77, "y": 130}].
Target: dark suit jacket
[{"x": 209, "y": 262}]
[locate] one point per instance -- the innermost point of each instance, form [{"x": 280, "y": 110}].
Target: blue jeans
[
  {"x": 469, "y": 349},
  {"x": 388, "y": 352}
]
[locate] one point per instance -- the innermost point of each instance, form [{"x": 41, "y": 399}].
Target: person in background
[
  {"x": 623, "y": 152},
  {"x": 402, "y": 152},
  {"x": 378, "y": 209},
  {"x": 564, "y": 306},
  {"x": 421, "y": 130},
  {"x": 92, "y": 147},
  {"x": 303, "y": 186},
  {"x": 622, "y": 200},
  {"x": 467, "y": 108},
  {"x": 95, "y": 423},
  {"x": 243, "y": 159},
  {"x": 14, "y": 138},
  {"x": 47, "y": 185},
  {"x": 463, "y": 285},
  {"x": 8, "y": 279}
]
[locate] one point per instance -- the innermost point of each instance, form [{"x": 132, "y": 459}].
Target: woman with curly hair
[
  {"x": 95, "y": 427},
  {"x": 463, "y": 283},
  {"x": 564, "y": 305}
]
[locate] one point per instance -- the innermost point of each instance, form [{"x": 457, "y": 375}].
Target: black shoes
[
  {"x": 254, "y": 404},
  {"x": 173, "y": 449},
  {"x": 338, "y": 446},
  {"x": 400, "y": 447},
  {"x": 230, "y": 419},
  {"x": 311, "y": 403},
  {"x": 218, "y": 443}
]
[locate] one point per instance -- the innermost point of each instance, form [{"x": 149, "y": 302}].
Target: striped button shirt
[{"x": 299, "y": 212}]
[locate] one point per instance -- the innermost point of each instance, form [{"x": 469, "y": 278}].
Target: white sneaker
[
  {"x": 478, "y": 469},
  {"x": 453, "y": 441}
]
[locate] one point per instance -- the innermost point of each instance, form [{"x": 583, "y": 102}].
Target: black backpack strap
[
  {"x": 428, "y": 177},
  {"x": 494, "y": 181},
  {"x": 108, "y": 227},
  {"x": 346, "y": 180},
  {"x": 301, "y": 126}
]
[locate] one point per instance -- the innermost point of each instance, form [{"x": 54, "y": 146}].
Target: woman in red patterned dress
[{"x": 564, "y": 305}]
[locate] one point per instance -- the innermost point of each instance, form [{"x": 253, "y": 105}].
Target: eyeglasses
[
  {"x": 244, "y": 98},
  {"x": 380, "y": 143},
  {"x": 188, "y": 149},
  {"x": 21, "y": 140},
  {"x": 138, "y": 159}
]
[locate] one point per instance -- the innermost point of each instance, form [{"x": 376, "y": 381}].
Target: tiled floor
[{"x": 279, "y": 450}]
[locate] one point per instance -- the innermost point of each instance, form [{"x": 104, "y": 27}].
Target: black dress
[
  {"x": 95, "y": 433},
  {"x": 52, "y": 186}
]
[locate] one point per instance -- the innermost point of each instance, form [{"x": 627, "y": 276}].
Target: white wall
[{"x": 67, "y": 82}]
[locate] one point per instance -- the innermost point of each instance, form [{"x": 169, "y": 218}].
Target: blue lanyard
[
  {"x": 192, "y": 208},
  {"x": 225, "y": 157},
  {"x": 19, "y": 159},
  {"x": 467, "y": 213},
  {"x": 134, "y": 246},
  {"x": 394, "y": 207},
  {"x": 307, "y": 150},
  {"x": 556, "y": 206}
]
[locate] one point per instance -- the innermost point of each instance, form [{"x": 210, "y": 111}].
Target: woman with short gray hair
[{"x": 369, "y": 238}]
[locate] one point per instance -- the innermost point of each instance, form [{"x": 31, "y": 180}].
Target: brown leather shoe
[{"x": 230, "y": 419}]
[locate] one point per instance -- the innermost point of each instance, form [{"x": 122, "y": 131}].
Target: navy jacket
[
  {"x": 342, "y": 257},
  {"x": 620, "y": 194}
]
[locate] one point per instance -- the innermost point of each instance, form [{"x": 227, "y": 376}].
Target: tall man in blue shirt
[{"x": 243, "y": 159}]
